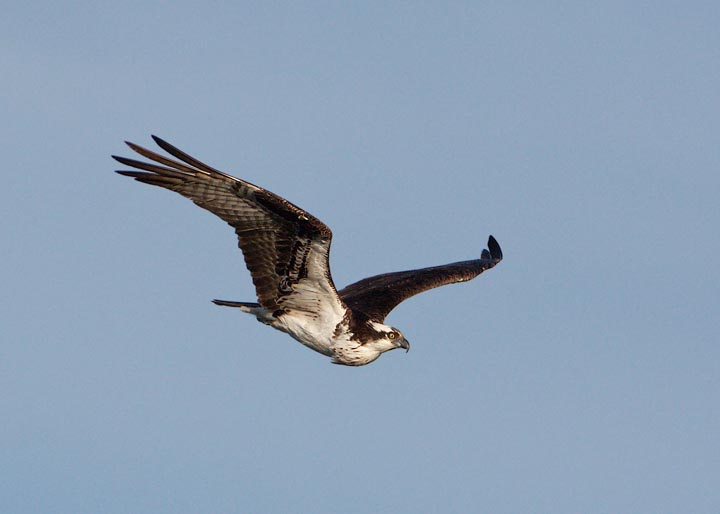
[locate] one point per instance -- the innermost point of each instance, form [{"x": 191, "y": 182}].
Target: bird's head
[
  {"x": 389, "y": 338},
  {"x": 398, "y": 339}
]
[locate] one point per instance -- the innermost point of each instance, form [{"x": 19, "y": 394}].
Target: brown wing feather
[
  {"x": 376, "y": 296},
  {"x": 276, "y": 237}
]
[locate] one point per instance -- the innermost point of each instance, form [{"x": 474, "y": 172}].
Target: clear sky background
[{"x": 580, "y": 375}]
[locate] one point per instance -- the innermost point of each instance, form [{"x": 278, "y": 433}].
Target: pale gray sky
[{"x": 580, "y": 375}]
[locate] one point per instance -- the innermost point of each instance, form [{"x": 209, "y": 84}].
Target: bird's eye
[{"x": 392, "y": 335}]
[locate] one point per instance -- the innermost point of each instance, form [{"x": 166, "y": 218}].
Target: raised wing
[
  {"x": 286, "y": 249},
  {"x": 377, "y": 296}
]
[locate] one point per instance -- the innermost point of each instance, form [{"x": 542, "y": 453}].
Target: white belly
[
  {"x": 323, "y": 337},
  {"x": 311, "y": 333}
]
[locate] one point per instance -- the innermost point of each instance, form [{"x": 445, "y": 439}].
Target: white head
[
  {"x": 376, "y": 340},
  {"x": 388, "y": 338}
]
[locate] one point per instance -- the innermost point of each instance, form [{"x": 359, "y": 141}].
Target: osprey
[{"x": 286, "y": 250}]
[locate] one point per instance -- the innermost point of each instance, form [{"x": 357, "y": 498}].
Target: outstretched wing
[
  {"x": 377, "y": 296},
  {"x": 286, "y": 249}
]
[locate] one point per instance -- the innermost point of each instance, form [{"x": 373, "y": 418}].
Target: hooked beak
[{"x": 404, "y": 343}]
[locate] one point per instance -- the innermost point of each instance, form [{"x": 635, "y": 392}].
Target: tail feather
[
  {"x": 255, "y": 309},
  {"x": 246, "y": 306}
]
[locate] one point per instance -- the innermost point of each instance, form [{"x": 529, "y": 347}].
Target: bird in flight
[{"x": 287, "y": 250}]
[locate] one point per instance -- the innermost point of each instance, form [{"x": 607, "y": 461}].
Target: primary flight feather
[{"x": 287, "y": 250}]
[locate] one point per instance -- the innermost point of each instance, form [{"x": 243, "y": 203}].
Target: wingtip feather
[
  {"x": 494, "y": 247},
  {"x": 171, "y": 149},
  {"x": 123, "y": 160},
  {"x": 134, "y": 147}
]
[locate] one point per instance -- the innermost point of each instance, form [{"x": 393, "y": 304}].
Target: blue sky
[{"x": 580, "y": 375}]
